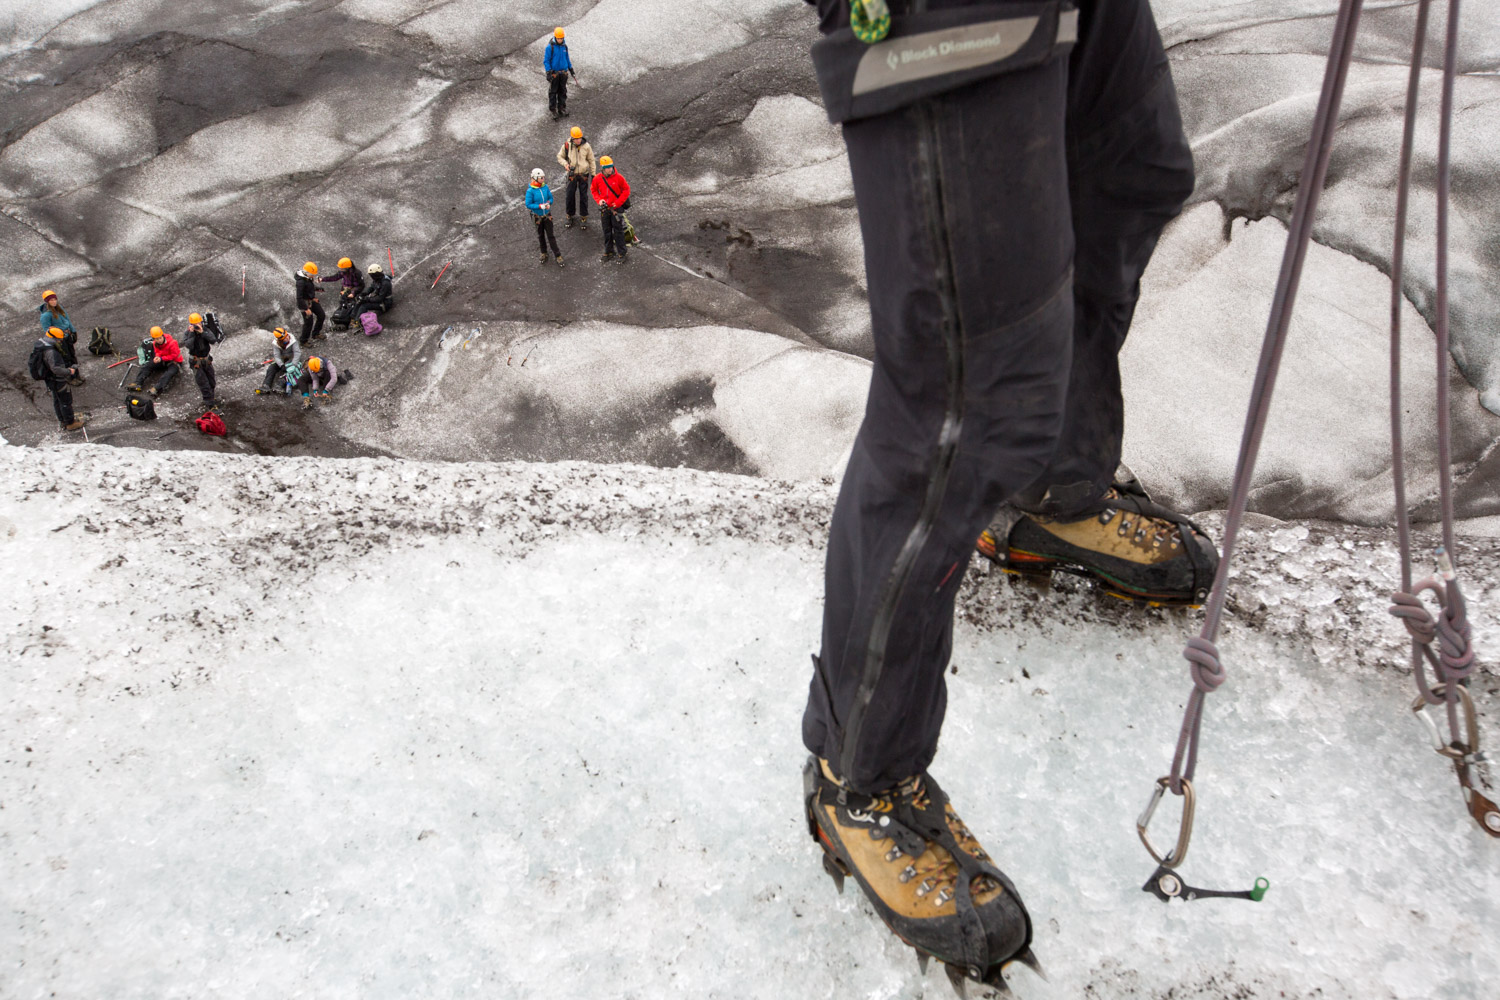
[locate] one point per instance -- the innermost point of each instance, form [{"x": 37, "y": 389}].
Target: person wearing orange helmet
[
  {"x": 165, "y": 357},
  {"x": 557, "y": 64},
  {"x": 351, "y": 280},
  {"x": 200, "y": 339},
  {"x": 577, "y": 158},
  {"x": 318, "y": 379},
  {"x": 307, "y": 303},
  {"x": 52, "y": 314},
  {"x": 612, "y": 191},
  {"x": 286, "y": 356},
  {"x": 48, "y": 365}
]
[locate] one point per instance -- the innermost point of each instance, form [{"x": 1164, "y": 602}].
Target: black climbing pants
[
  {"x": 557, "y": 92},
  {"x": 275, "y": 378},
  {"x": 164, "y": 372},
  {"x": 546, "y": 234},
  {"x": 1006, "y": 224},
  {"x": 203, "y": 374},
  {"x": 614, "y": 231},
  {"x": 312, "y": 322},
  {"x": 578, "y": 185},
  {"x": 62, "y": 400}
]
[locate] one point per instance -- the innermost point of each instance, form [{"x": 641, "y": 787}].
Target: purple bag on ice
[{"x": 370, "y": 323}]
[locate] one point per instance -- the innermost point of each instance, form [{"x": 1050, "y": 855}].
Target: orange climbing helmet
[
  {"x": 346, "y": 263},
  {"x": 314, "y": 364},
  {"x": 194, "y": 319},
  {"x": 558, "y": 34}
]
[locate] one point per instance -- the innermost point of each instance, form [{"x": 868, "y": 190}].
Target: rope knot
[
  {"x": 1414, "y": 615},
  {"x": 1454, "y": 650},
  {"x": 1207, "y": 671}
]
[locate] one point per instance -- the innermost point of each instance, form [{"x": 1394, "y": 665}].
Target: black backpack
[
  {"x": 99, "y": 342},
  {"x": 212, "y": 330},
  {"x": 37, "y": 363},
  {"x": 141, "y": 408}
]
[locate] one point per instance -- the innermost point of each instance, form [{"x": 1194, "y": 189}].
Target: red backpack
[{"x": 212, "y": 423}]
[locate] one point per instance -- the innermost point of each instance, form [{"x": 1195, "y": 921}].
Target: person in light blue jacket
[
  {"x": 539, "y": 202},
  {"x": 53, "y": 315},
  {"x": 557, "y": 65}
]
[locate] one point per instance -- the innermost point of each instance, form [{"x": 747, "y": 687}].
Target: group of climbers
[
  {"x": 587, "y": 178},
  {"x": 358, "y": 295},
  {"x": 600, "y": 180},
  {"x": 286, "y": 373}
]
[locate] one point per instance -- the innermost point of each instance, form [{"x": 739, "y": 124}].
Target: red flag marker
[
  {"x": 440, "y": 274},
  {"x": 392, "y": 261},
  {"x": 242, "y": 281}
]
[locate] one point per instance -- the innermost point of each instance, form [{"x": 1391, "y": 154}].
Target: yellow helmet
[
  {"x": 194, "y": 319},
  {"x": 314, "y": 364},
  {"x": 345, "y": 263},
  {"x": 157, "y": 333},
  {"x": 53, "y": 331},
  {"x": 310, "y": 267},
  {"x": 576, "y": 132},
  {"x": 605, "y": 161},
  {"x": 48, "y": 294},
  {"x": 280, "y": 333},
  {"x": 557, "y": 33}
]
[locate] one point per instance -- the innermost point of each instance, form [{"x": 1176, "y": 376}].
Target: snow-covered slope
[{"x": 373, "y": 728}]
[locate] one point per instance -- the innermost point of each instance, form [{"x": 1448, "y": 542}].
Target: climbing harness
[
  {"x": 870, "y": 20},
  {"x": 1453, "y": 660},
  {"x": 1206, "y": 669}
]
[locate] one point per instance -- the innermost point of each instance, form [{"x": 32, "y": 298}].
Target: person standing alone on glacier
[
  {"x": 1013, "y": 167},
  {"x": 557, "y": 65}
]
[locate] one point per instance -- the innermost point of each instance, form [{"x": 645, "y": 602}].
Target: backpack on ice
[
  {"x": 212, "y": 423},
  {"x": 99, "y": 342},
  {"x": 370, "y": 323},
  {"x": 141, "y": 408},
  {"x": 630, "y": 236},
  {"x": 36, "y": 365},
  {"x": 343, "y": 315}
]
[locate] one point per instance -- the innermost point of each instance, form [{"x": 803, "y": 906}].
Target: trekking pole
[{"x": 440, "y": 274}]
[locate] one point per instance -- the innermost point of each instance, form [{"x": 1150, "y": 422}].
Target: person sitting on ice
[
  {"x": 318, "y": 379},
  {"x": 380, "y": 295},
  {"x": 351, "y": 281},
  {"x": 286, "y": 354},
  {"x": 160, "y": 358}
]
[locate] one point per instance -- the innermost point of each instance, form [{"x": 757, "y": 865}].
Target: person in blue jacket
[
  {"x": 557, "y": 66},
  {"x": 53, "y": 315},
  {"x": 539, "y": 201}
]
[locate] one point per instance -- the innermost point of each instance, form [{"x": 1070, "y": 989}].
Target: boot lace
[
  {"x": 938, "y": 870},
  {"x": 1146, "y": 529}
]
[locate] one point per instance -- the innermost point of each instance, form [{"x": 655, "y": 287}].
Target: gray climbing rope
[
  {"x": 1206, "y": 668},
  {"x": 1453, "y": 660}
]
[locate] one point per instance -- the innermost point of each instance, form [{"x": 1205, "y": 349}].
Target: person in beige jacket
[{"x": 577, "y": 158}]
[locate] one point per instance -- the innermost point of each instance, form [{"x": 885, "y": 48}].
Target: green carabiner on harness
[{"x": 870, "y": 20}]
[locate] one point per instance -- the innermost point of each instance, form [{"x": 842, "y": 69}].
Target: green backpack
[{"x": 99, "y": 342}]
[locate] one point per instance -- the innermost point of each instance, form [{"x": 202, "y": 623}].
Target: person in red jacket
[
  {"x": 166, "y": 356},
  {"x": 612, "y": 191}
]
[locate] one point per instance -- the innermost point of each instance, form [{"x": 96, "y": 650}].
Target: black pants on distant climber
[
  {"x": 614, "y": 231},
  {"x": 996, "y": 325},
  {"x": 203, "y": 374},
  {"x": 312, "y": 323},
  {"x": 578, "y": 185},
  {"x": 62, "y": 400},
  {"x": 545, "y": 233},
  {"x": 164, "y": 372},
  {"x": 557, "y": 93}
]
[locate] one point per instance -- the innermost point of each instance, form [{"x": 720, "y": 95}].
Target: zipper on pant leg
[{"x": 929, "y": 163}]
